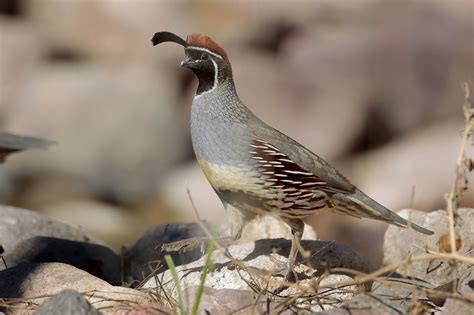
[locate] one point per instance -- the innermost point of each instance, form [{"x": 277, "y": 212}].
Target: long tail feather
[{"x": 364, "y": 206}]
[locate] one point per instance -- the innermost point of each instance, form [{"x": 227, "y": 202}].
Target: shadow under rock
[
  {"x": 95, "y": 259},
  {"x": 12, "y": 280}
]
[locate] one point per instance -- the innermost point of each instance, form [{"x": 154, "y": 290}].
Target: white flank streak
[
  {"x": 258, "y": 146},
  {"x": 313, "y": 183},
  {"x": 275, "y": 153},
  {"x": 294, "y": 194},
  {"x": 271, "y": 147},
  {"x": 286, "y": 160},
  {"x": 298, "y": 172}
]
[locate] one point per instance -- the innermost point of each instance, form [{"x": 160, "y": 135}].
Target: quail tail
[{"x": 360, "y": 205}]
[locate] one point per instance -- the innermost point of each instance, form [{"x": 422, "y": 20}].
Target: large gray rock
[
  {"x": 34, "y": 282},
  {"x": 402, "y": 164},
  {"x": 66, "y": 302},
  {"x": 18, "y": 36},
  {"x": 112, "y": 224},
  {"x": 399, "y": 243},
  {"x": 351, "y": 57},
  {"x": 132, "y": 108},
  {"x": 18, "y": 225},
  {"x": 263, "y": 258},
  {"x": 239, "y": 302}
]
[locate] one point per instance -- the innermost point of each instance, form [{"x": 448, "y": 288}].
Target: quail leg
[{"x": 297, "y": 228}]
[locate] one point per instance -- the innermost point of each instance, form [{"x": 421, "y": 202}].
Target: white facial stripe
[
  {"x": 215, "y": 80},
  {"x": 206, "y": 50}
]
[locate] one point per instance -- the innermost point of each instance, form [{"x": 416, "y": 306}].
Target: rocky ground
[{"x": 49, "y": 267}]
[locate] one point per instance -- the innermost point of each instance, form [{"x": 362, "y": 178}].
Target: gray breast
[{"x": 218, "y": 130}]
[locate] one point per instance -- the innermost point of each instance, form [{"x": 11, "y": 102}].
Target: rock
[
  {"x": 466, "y": 284},
  {"x": 350, "y": 69},
  {"x": 365, "y": 304},
  {"x": 262, "y": 258},
  {"x": 18, "y": 36},
  {"x": 97, "y": 260},
  {"x": 112, "y": 224},
  {"x": 403, "y": 164},
  {"x": 127, "y": 161},
  {"x": 239, "y": 302},
  {"x": 457, "y": 306},
  {"x": 127, "y": 37},
  {"x": 399, "y": 243},
  {"x": 146, "y": 257},
  {"x": 34, "y": 283},
  {"x": 454, "y": 306},
  {"x": 66, "y": 302},
  {"x": 18, "y": 225}
]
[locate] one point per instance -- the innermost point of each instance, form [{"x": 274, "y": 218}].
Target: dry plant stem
[{"x": 454, "y": 194}]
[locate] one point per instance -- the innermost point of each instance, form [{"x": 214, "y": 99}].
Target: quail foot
[{"x": 255, "y": 168}]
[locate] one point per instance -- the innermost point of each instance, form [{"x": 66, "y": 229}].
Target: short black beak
[{"x": 187, "y": 62}]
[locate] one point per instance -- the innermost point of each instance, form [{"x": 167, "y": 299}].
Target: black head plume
[{"x": 162, "y": 37}]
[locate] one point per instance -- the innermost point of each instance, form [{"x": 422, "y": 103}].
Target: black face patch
[{"x": 204, "y": 69}]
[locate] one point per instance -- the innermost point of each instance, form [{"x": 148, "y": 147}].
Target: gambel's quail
[{"x": 255, "y": 168}]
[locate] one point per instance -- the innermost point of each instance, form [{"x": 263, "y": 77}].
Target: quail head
[{"x": 255, "y": 168}]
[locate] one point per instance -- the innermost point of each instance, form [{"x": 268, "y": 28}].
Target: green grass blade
[
  {"x": 204, "y": 271},
  {"x": 174, "y": 274}
]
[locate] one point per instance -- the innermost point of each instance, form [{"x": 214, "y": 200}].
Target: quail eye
[{"x": 204, "y": 57}]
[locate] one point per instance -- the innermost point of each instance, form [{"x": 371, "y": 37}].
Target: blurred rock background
[{"x": 374, "y": 87}]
